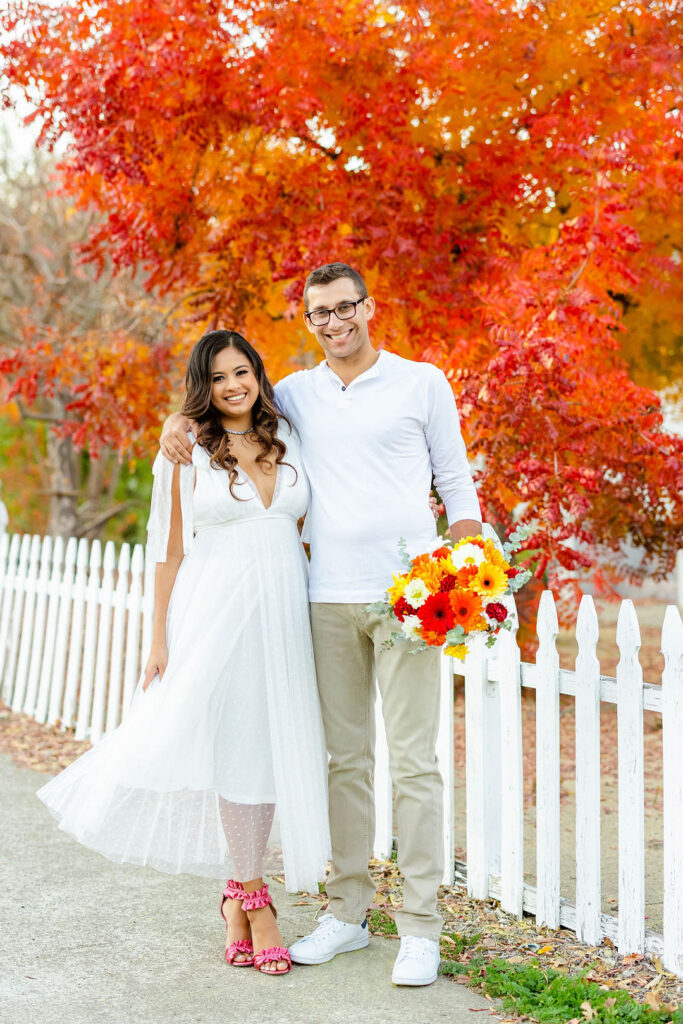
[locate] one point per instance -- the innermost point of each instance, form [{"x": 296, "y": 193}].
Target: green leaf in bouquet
[
  {"x": 378, "y": 608},
  {"x": 403, "y": 552},
  {"x": 516, "y": 538},
  {"x": 455, "y": 636},
  {"x": 490, "y": 640}
]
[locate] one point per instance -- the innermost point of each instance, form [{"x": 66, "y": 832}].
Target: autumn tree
[
  {"x": 508, "y": 176},
  {"x": 84, "y": 353}
]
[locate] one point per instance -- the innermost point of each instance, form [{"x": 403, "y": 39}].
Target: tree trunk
[{"x": 63, "y": 463}]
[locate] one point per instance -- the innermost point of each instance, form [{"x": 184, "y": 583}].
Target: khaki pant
[{"x": 346, "y": 640}]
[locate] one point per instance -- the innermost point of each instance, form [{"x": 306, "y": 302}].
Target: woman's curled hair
[{"x": 197, "y": 405}]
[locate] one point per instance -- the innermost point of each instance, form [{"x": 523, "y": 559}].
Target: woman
[{"x": 224, "y": 729}]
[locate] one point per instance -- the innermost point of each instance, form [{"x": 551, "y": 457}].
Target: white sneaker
[
  {"x": 330, "y": 937},
  {"x": 417, "y": 962}
]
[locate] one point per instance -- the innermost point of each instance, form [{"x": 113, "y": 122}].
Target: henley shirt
[{"x": 370, "y": 450}]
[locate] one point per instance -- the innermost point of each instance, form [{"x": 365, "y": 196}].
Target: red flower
[
  {"x": 512, "y": 572},
  {"x": 436, "y": 614},
  {"x": 497, "y": 611},
  {"x": 448, "y": 582},
  {"x": 402, "y": 608}
]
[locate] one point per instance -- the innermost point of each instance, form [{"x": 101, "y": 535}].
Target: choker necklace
[{"x": 228, "y": 431}]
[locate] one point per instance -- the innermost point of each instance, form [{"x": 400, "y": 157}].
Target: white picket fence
[
  {"x": 494, "y": 780},
  {"x": 74, "y": 625}
]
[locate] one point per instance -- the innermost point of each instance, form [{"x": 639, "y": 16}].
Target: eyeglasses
[{"x": 344, "y": 311}]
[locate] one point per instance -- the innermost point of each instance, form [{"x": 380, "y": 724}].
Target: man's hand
[
  {"x": 464, "y": 528},
  {"x": 174, "y": 442}
]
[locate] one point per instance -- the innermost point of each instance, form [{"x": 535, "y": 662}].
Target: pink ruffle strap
[
  {"x": 233, "y": 890},
  {"x": 241, "y": 946},
  {"x": 255, "y": 900},
  {"x": 271, "y": 955}
]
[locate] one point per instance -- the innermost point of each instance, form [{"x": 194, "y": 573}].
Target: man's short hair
[{"x": 332, "y": 272}]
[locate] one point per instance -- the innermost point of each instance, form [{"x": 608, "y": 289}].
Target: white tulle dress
[{"x": 218, "y": 769}]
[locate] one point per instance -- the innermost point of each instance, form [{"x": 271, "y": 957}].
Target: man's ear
[
  {"x": 308, "y": 323},
  {"x": 369, "y": 307}
]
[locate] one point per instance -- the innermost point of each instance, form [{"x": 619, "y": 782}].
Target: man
[{"x": 374, "y": 429}]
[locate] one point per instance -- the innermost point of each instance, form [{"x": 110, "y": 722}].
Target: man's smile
[{"x": 340, "y": 337}]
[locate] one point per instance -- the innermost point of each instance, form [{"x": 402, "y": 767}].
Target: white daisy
[
  {"x": 416, "y": 593},
  {"x": 467, "y": 553},
  {"x": 410, "y": 627}
]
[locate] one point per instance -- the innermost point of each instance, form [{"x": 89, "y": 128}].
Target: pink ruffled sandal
[
  {"x": 255, "y": 901},
  {"x": 234, "y": 891}
]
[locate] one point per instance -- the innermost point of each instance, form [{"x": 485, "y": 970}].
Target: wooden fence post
[
  {"x": 511, "y": 769},
  {"x": 631, "y": 795},
  {"x": 476, "y": 769},
  {"x": 587, "y": 740},
  {"x": 548, "y": 766},
  {"x": 672, "y": 725}
]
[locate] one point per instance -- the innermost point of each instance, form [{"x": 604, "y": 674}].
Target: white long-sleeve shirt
[{"x": 370, "y": 450}]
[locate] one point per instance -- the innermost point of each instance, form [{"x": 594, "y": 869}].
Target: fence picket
[
  {"x": 48, "y": 652},
  {"x": 106, "y": 599},
  {"x": 90, "y": 642},
  {"x": 548, "y": 766},
  {"x": 511, "y": 780},
  {"x": 38, "y": 626},
  {"x": 26, "y": 627},
  {"x": 672, "y": 726},
  {"x": 631, "y": 791},
  {"x": 587, "y": 727},
  {"x": 62, "y": 635},
  {"x": 118, "y": 640},
  {"x": 130, "y": 672},
  {"x": 476, "y": 767},
  {"x": 76, "y": 634},
  {"x": 445, "y": 755},
  {"x": 10, "y": 601}
]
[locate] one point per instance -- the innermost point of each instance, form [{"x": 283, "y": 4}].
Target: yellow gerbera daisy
[
  {"x": 399, "y": 585},
  {"x": 456, "y": 651},
  {"x": 490, "y": 580}
]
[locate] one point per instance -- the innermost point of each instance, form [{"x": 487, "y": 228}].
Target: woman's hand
[
  {"x": 174, "y": 442},
  {"x": 156, "y": 664}
]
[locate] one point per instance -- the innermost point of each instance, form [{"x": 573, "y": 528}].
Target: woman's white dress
[{"x": 189, "y": 779}]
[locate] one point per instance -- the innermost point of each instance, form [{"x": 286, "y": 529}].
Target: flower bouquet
[{"x": 447, "y": 596}]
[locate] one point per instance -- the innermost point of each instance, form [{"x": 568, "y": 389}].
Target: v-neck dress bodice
[
  {"x": 214, "y": 505},
  {"x": 234, "y": 726}
]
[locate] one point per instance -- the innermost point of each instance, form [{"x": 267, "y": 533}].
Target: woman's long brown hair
[{"x": 197, "y": 405}]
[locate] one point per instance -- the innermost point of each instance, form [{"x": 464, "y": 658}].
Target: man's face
[{"x": 340, "y": 339}]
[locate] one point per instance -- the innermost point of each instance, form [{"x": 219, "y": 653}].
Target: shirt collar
[{"x": 373, "y": 371}]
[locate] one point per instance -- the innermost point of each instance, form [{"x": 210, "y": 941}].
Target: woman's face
[{"x": 234, "y": 388}]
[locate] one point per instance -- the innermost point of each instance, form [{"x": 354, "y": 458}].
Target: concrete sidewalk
[{"x": 83, "y": 941}]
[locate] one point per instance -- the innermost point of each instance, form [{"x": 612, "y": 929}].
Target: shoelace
[
  {"x": 415, "y": 948},
  {"x": 328, "y": 924}
]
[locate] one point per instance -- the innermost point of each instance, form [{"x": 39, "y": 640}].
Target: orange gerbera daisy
[
  {"x": 490, "y": 580},
  {"x": 467, "y": 608},
  {"x": 465, "y": 576},
  {"x": 432, "y": 638},
  {"x": 441, "y": 553}
]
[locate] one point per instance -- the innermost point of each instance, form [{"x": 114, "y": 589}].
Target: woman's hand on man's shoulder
[{"x": 175, "y": 442}]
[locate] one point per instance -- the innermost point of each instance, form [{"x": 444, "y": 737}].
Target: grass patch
[
  {"x": 554, "y": 998},
  {"x": 380, "y": 923}
]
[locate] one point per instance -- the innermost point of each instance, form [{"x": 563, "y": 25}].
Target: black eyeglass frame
[{"x": 346, "y": 302}]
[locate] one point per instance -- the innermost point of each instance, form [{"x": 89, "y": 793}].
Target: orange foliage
[{"x": 502, "y": 174}]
